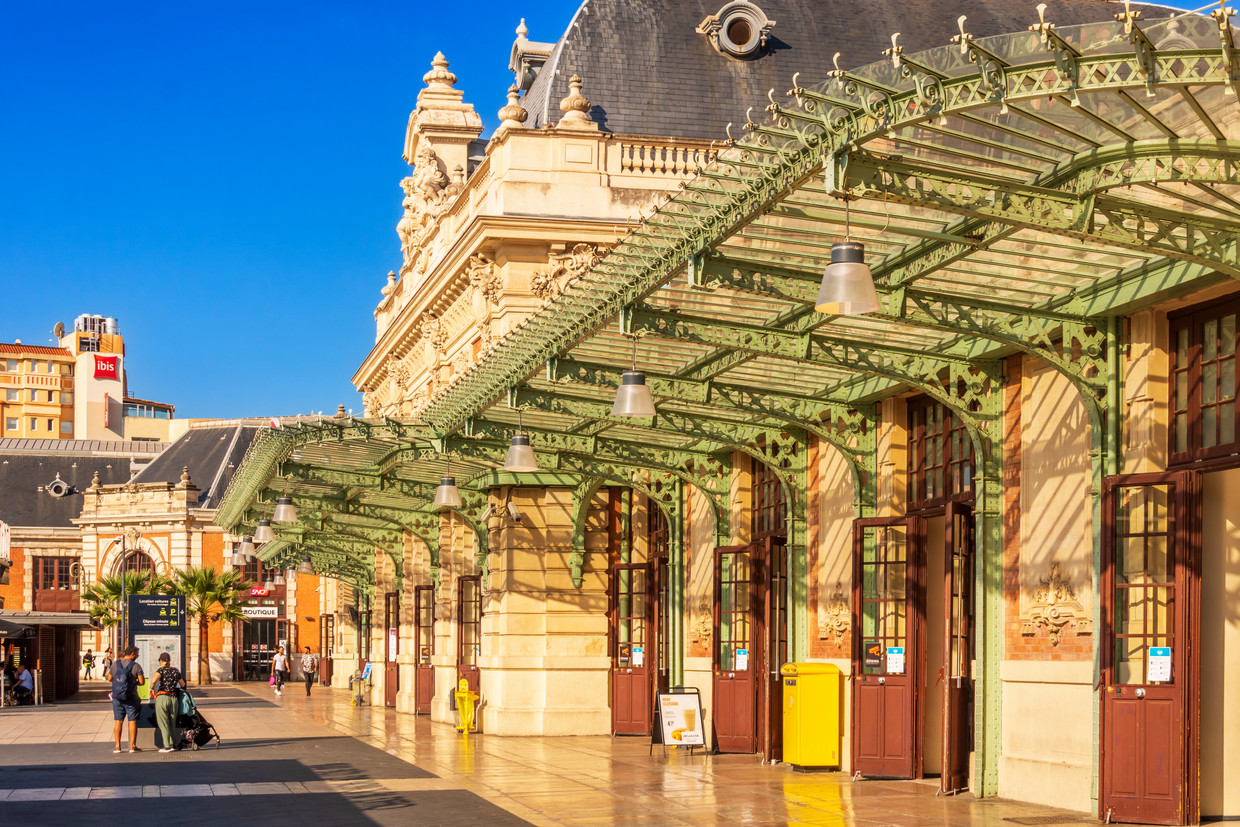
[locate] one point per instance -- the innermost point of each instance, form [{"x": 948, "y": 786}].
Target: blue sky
[{"x": 224, "y": 179}]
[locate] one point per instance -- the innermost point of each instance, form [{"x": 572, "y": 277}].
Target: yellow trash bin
[
  {"x": 466, "y": 706},
  {"x": 811, "y": 714}
]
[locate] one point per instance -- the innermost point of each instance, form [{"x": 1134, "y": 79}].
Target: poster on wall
[{"x": 680, "y": 718}]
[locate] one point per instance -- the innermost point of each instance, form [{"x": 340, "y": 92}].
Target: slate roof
[
  {"x": 22, "y": 475},
  {"x": 212, "y": 454},
  {"x": 648, "y": 72}
]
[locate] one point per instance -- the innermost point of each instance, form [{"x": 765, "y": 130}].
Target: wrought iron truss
[{"x": 1015, "y": 194}]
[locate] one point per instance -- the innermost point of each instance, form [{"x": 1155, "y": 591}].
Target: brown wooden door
[
  {"x": 631, "y": 649},
  {"x": 424, "y": 636},
  {"x": 1150, "y": 581},
  {"x": 737, "y": 650},
  {"x": 888, "y": 658},
  {"x": 469, "y": 628},
  {"x": 391, "y": 647},
  {"x": 957, "y": 672},
  {"x": 773, "y": 587},
  {"x": 327, "y": 648}
]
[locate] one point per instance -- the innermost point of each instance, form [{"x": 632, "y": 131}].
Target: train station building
[{"x": 725, "y": 351}]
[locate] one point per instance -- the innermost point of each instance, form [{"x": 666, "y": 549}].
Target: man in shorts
[{"x": 126, "y": 676}]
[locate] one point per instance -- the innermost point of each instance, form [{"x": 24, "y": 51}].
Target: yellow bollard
[{"x": 466, "y": 702}]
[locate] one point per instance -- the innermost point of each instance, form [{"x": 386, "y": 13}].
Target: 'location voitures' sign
[{"x": 156, "y": 613}]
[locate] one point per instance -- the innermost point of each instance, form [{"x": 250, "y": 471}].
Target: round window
[{"x": 741, "y": 29}]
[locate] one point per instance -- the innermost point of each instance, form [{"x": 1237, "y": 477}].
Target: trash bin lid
[{"x": 795, "y": 669}]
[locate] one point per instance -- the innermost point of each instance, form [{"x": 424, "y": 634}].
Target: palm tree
[
  {"x": 210, "y": 597},
  {"x": 104, "y": 599}
]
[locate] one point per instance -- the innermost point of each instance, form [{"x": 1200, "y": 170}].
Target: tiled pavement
[{"x": 293, "y": 760}]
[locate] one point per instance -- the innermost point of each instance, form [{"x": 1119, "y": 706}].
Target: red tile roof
[{"x": 33, "y": 350}]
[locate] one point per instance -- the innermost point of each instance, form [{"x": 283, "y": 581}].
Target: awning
[
  {"x": 12, "y": 631},
  {"x": 80, "y": 620}
]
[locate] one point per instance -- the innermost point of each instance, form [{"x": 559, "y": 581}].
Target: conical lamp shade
[
  {"x": 264, "y": 534},
  {"x": 279, "y": 581},
  {"x": 285, "y": 513},
  {"x": 633, "y": 396},
  {"x": 268, "y": 584},
  {"x": 306, "y": 567},
  {"x": 238, "y": 559},
  {"x": 247, "y": 546},
  {"x": 521, "y": 457},
  {"x": 847, "y": 284},
  {"x": 447, "y": 495}
]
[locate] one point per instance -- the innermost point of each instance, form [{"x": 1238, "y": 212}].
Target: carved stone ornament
[
  {"x": 575, "y": 107},
  {"x": 835, "y": 619},
  {"x": 562, "y": 271},
  {"x": 133, "y": 537},
  {"x": 433, "y": 332},
  {"x": 702, "y": 621},
  {"x": 1055, "y": 606},
  {"x": 513, "y": 115},
  {"x": 369, "y": 403},
  {"x": 480, "y": 271}
]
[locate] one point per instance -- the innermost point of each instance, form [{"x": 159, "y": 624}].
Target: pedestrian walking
[
  {"x": 164, "y": 687},
  {"x": 309, "y": 666},
  {"x": 107, "y": 664},
  {"x": 279, "y": 668},
  {"x": 126, "y": 676},
  {"x": 88, "y": 663}
]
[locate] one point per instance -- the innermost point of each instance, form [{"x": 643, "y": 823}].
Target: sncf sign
[{"x": 106, "y": 367}]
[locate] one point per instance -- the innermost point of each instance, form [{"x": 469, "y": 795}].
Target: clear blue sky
[{"x": 224, "y": 179}]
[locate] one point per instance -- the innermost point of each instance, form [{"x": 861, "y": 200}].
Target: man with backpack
[{"x": 126, "y": 676}]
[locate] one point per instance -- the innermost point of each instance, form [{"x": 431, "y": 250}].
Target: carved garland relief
[
  {"x": 563, "y": 270},
  {"x": 1055, "y": 605},
  {"x": 835, "y": 619}
]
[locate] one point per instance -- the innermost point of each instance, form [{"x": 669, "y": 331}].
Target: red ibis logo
[{"x": 107, "y": 367}]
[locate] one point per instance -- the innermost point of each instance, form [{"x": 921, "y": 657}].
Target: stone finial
[
  {"x": 439, "y": 74},
  {"x": 522, "y": 31},
  {"x": 390, "y": 287},
  {"x": 513, "y": 116},
  {"x": 185, "y": 475},
  {"x": 340, "y": 414},
  {"x": 94, "y": 481},
  {"x": 575, "y": 107}
]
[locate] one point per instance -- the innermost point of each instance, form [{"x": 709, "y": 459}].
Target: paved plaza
[{"x": 293, "y": 760}]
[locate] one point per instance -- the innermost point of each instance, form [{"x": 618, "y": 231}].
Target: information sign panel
[{"x": 680, "y": 718}]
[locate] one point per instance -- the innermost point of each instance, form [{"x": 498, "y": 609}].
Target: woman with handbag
[
  {"x": 279, "y": 668},
  {"x": 164, "y": 688}
]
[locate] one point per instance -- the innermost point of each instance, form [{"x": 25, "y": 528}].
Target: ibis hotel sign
[{"x": 107, "y": 367}]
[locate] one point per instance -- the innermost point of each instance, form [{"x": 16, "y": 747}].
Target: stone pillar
[{"x": 544, "y": 661}]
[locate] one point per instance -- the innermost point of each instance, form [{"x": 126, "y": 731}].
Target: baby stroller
[{"x": 194, "y": 729}]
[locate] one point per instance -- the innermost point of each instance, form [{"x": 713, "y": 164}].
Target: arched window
[{"x": 138, "y": 562}]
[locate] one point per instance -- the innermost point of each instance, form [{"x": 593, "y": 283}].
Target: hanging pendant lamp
[
  {"x": 247, "y": 547},
  {"x": 269, "y": 584},
  {"x": 238, "y": 559},
  {"x": 264, "y": 534},
  {"x": 279, "y": 581},
  {"x": 285, "y": 512},
  {"x": 633, "y": 397},
  {"x": 520, "y": 459},
  {"x": 447, "y": 495},
  {"x": 847, "y": 287},
  {"x": 306, "y": 567}
]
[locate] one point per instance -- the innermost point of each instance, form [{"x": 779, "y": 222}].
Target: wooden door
[
  {"x": 424, "y": 636},
  {"x": 888, "y": 657},
  {"x": 327, "y": 648},
  {"x": 469, "y": 628},
  {"x": 737, "y": 651},
  {"x": 631, "y": 649},
  {"x": 772, "y": 583},
  {"x": 957, "y": 672},
  {"x": 1150, "y": 582},
  {"x": 391, "y": 647}
]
